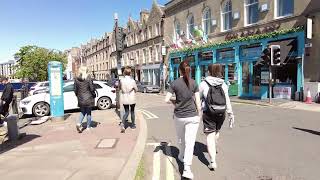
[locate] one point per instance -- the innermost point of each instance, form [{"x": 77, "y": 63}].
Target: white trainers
[
  {"x": 187, "y": 174},
  {"x": 213, "y": 166}
]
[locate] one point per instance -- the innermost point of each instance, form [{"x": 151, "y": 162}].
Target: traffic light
[
  {"x": 275, "y": 55},
  {"x": 266, "y": 54},
  {"x": 120, "y": 35}
]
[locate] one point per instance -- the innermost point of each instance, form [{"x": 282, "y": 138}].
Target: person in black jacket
[
  {"x": 6, "y": 97},
  {"x": 85, "y": 92}
]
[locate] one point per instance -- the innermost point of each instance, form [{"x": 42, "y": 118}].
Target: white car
[
  {"x": 38, "y": 86},
  {"x": 39, "y": 104}
]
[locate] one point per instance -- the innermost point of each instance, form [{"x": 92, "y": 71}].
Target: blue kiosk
[{"x": 56, "y": 90}]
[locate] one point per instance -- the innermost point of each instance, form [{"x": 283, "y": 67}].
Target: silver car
[{"x": 147, "y": 87}]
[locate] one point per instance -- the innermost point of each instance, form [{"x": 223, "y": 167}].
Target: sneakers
[
  {"x": 187, "y": 174},
  {"x": 213, "y": 166},
  {"x": 123, "y": 129},
  {"x": 133, "y": 126},
  {"x": 79, "y": 128}
]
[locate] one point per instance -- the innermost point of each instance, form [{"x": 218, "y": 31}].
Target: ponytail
[{"x": 185, "y": 70}]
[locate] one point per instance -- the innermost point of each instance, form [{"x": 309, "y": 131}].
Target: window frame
[
  {"x": 247, "y": 12},
  {"x": 223, "y": 13},
  {"x": 189, "y": 18},
  {"x": 206, "y": 11},
  {"x": 276, "y": 10},
  {"x": 176, "y": 34}
]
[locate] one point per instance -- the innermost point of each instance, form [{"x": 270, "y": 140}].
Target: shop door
[{"x": 251, "y": 80}]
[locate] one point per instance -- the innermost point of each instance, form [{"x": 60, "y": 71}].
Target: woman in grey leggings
[{"x": 186, "y": 114}]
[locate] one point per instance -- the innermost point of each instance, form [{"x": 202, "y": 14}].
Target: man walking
[{"x": 6, "y": 97}]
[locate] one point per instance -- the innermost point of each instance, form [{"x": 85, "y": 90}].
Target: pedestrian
[
  {"x": 215, "y": 105},
  {"x": 6, "y": 97},
  {"x": 187, "y": 113},
  {"x": 24, "y": 89},
  {"x": 85, "y": 92},
  {"x": 128, "y": 89}
]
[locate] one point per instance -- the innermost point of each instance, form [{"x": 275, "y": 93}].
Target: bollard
[{"x": 13, "y": 129}]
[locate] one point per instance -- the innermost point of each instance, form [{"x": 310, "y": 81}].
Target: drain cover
[
  {"x": 107, "y": 143},
  {"x": 264, "y": 178}
]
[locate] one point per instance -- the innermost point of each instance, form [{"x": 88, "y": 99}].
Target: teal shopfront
[{"x": 239, "y": 59}]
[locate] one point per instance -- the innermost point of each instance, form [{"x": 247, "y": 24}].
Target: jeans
[
  {"x": 85, "y": 111},
  {"x": 187, "y": 129},
  {"x": 126, "y": 114}
]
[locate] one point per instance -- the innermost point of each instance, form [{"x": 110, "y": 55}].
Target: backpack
[{"x": 216, "y": 100}]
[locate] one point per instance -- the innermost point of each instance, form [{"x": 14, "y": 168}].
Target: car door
[
  {"x": 70, "y": 98},
  {"x": 99, "y": 91}
]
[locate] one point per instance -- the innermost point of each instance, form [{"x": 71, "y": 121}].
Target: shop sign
[
  {"x": 251, "y": 52},
  {"x": 262, "y": 30},
  {"x": 225, "y": 55},
  {"x": 282, "y": 92}
]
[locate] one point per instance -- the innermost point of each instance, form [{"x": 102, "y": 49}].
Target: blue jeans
[
  {"x": 85, "y": 111},
  {"x": 126, "y": 114}
]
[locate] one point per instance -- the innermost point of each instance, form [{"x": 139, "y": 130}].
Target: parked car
[
  {"x": 147, "y": 87},
  {"x": 39, "y": 104},
  {"x": 38, "y": 86}
]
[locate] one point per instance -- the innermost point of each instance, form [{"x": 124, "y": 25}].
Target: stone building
[
  {"x": 234, "y": 34},
  {"x": 144, "y": 39},
  {"x": 7, "y": 69},
  {"x": 73, "y": 58},
  {"x": 96, "y": 56}
]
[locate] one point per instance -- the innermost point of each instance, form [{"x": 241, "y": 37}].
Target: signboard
[
  {"x": 309, "y": 28},
  {"x": 226, "y": 55},
  {"x": 264, "y": 77},
  {"x": 55, "y": 81},
  {"x": 282, "y": 92},
  {"x": 163, "y": 50},
  {"x": 56, "y": 89}
]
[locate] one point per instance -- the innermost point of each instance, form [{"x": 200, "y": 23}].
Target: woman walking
[
  {"x": 186, "y": 114},
  {"x": 128, "y": 88},
  {"x": 215, "y": 104},
  {"x": 85, "y": 92}
]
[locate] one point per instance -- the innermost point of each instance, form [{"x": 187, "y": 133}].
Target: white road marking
[
  {"x": 148, "y": 114},
  {"x": 156, "y": 166},
  {"x": 169, "y": 169}
]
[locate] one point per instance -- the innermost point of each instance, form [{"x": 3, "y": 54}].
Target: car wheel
[
  {"x": 41, "y": 109},
  {"x": 145, "y": 90},
  {"x": 104, "y": 103}
]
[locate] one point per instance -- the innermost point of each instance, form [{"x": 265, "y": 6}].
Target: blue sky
[{"x": 60, "y": 24}]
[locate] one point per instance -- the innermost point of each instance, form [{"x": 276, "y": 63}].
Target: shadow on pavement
[
  {"x": 199, "y": 150},
  {"x": 9, "y": 145},
  {"x": 308, "y": 131}
]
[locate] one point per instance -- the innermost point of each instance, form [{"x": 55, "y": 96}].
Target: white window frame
[
  {"x": 144, "y": 54},
  {"x": 204, "y": 19},
  {"x": 247, "y": 12},
  {"x": 224, "y": 13},
  {"x": 189, "y": 24},
  {"x": 150, "y": 50},
  {"x": 175, "y": 29},
  {"x": 156, "y": 53},
  {"x": 276, "y": 8}
]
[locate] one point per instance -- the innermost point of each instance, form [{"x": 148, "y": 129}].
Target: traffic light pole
[{"x": 270, "y": 84}]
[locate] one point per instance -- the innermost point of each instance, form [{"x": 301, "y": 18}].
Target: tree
[{"x": 33, "y": 62}]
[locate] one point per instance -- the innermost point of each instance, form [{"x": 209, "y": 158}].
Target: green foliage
[
  {"x": 241, "y": 39},
  {"x": 33, "y": 62}
]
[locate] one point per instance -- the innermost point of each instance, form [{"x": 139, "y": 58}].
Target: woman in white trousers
[{"x": 186, "y": 115}]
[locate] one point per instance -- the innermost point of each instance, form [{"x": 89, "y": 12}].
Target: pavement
[{"x": 55, "y": 150}]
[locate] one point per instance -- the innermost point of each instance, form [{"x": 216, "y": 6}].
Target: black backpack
[{"x": 216, "y": 100}]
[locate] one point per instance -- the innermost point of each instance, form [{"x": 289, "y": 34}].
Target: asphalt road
[{"x": 267, "y": 143}]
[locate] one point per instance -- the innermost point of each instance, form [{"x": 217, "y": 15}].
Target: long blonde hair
[{"x": 83, "y": 72}]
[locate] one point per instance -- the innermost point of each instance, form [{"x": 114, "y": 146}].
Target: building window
[
  {"x": 137, "y": 57},
  {"x": 251, "y": 11},
  {"x": 206, "y": 21},
  {"x": 284, "y": 8},
  {"x": 190, "y": 26},
  {"x": 150, "y": 54},
  {"x": 156, "y": 53},
  {"x": 150, "y": 32},
  {"x": 226, "y": 15},
  {"x": 144, "y": 56},
  {"x": 177, "y": 30}
]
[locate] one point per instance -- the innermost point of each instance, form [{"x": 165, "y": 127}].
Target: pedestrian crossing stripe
[
  {"x": 148, "y": 114},
  {"x": 157, "y": 163}
]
